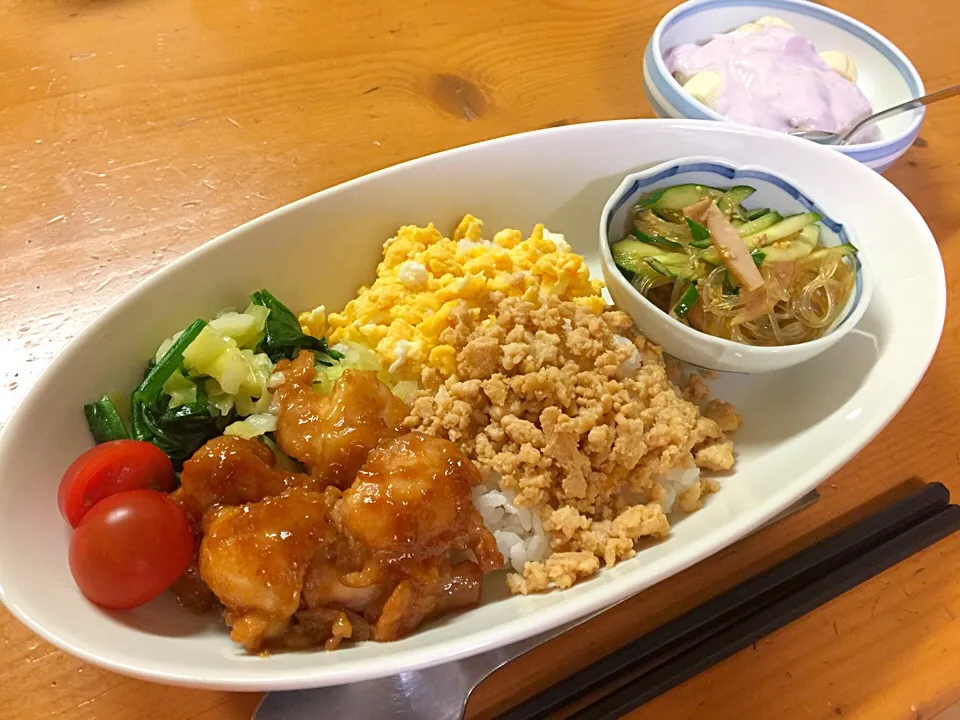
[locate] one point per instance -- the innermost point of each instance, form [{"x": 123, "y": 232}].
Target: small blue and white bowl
[
  {"x": 886, "y": 77},
  {"x": 682, "y": 341}
]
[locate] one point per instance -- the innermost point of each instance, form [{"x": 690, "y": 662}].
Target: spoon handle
[
  {"x": 438, "y": 693},
  {"x": 903, "y": 107}
]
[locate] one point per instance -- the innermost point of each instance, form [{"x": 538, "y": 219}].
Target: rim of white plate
[{"x": 554, "y": 616}]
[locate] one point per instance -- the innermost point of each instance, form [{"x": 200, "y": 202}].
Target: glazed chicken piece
[
  {"x": 333, "y": 434},
  {"x": 411, "y": 501},
  {"x": 410, "y": 507},
  {"x": 232, "y": 471},
  {"x": 254, "y": 558},
  {"x": 329, "y": 610},
  {"x": 323, "y": 586},
  {"x": 225, "y": 471},
  {"x": 435, "y": 589},
  {"x": 295, "y": 566}
]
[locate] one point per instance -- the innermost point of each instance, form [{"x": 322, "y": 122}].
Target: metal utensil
[
  {"x": 439, "y": 693},
  {"x": 828, "y": 138}
]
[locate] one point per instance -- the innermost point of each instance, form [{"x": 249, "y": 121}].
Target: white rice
[
  {"x": 632, "y": 364},
  {"x": 518, "y": 530},
  {"x": 676, "y": 482}
]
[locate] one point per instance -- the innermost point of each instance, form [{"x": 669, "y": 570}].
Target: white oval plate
[{"x": 801, "y": 424}]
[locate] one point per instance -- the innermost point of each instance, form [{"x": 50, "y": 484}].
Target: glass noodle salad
[{"x": 751, "y": 276}]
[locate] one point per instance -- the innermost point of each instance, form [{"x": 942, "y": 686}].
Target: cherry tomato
[
  {"x": 111, "y": 468},
  {"x": 129, "y": 548}
]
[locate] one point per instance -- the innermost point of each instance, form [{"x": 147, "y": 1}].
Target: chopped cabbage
[
  {"x": 361, "y": 357},
  {"x": 252, "y": 426},
  {"x": 182, "y": 390},
  {"x": 218, "y": 356},
  {"x": 404, "y": 389},
  {"x": 245, "y": 328}
]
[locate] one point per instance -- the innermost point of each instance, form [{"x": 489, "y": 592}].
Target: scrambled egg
[{"x": 424, "y": 277}]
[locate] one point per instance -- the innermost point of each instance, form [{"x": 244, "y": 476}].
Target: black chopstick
[
  {"x": 744, "y": 601},
  {"x": 743, "y": 634}
]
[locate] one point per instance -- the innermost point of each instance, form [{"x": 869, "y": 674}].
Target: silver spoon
[
  {"x": 435, "y": 693},
  {"x": 828, "y": 138}
]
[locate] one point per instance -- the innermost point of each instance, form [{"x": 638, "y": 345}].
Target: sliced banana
[
  {"x": 765, "y": 21},
  {"x": 747, "y": 29},
  {"x": 841, "y": 63},
  {"x": 770, "y": 20},
  {"x": 704, "y": 86}
]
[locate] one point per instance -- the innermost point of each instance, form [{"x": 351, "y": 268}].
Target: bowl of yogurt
[{"x": 782, "y": 65}]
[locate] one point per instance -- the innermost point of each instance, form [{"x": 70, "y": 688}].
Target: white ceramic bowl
[
  {"x": 801, "y": 424},
  {"x": 680, "y": 340},
  {"x": 886, "y": 76}
]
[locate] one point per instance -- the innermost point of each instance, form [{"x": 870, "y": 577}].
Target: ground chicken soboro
[{"x": 578, "y": 420}]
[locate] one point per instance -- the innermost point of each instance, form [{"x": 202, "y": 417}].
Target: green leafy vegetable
[
  {"x": 182, "y": 430},
  {"x": 179, "y": 431},
  {"x": 104, "y": 421},
  {"x": 283, "y": 338},
  {"x": 152, "y": 386},
  {"x": 758, "y": 257}
]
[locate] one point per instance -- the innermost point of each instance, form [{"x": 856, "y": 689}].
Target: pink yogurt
[{"x": 773, "y": 78}]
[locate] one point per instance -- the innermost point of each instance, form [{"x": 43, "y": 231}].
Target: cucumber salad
[{"x": 748, "y": 275}]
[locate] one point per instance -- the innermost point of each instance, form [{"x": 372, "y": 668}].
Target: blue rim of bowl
[
  {"x": 671, "y": 91},
  {"x": 732, "y": 173}
]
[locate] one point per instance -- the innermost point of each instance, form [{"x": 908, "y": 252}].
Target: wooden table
[{"x": 132, "y": 131}]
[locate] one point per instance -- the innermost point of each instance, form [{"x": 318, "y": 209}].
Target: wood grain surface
[{"x": 134, "y": 130}]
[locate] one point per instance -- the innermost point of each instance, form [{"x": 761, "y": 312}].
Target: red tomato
[
  {"x": 129, "y": 548},
  {"x": 111, "y": 468}
]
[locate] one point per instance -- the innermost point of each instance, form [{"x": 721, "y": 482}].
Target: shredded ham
[
  {"x": 697, "y": 210},
  {"x": 783, "y": 273},
  {"x": 732, "y": 250},
  {"x": 756, "y": 305}
]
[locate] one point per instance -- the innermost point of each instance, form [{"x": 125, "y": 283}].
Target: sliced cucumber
[
  {"x": 787, "y": 226},
  {"x": 801, "y": 246},
  {"x": 730, "y": 286},
  {"x": 760, "y": 223},
  {"x": 656, "y": 240},
  {"x": 637, "y": 257},
  {"x": 630, "y": 253},
  {"x": 699, "y": 233},
  {"x": 755, "y": 213},
  {"x": 845, "y": 250},
  {"x": 689, "y": 298},
  {"x": 730, "y": 201},
  {"x": 660, "y": 268},
  {"x": 670, "y": 216},
  {"x": 771, "y": 234},
  {"x": 758, "y": 257},
  {"x": 678, "y": 197}
]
